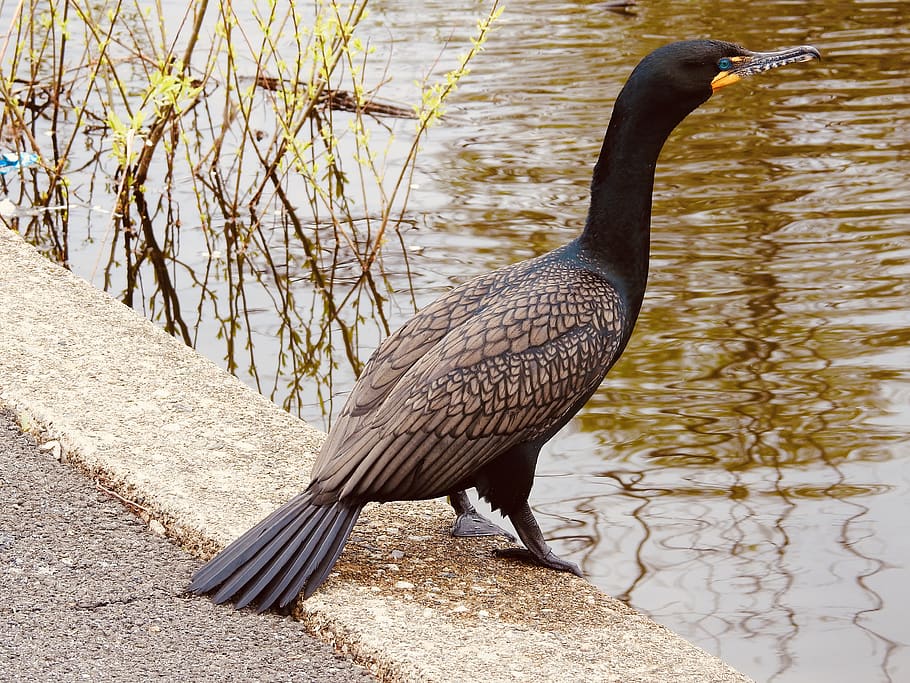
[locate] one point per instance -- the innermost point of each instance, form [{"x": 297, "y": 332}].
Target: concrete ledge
[{"x": 207, "y": 457}]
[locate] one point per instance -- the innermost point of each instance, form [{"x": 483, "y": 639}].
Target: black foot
[
  {"x": 550, "y": 560},
  {"x": 538, "y": 552},
  {"x": 471, "y": 524}
]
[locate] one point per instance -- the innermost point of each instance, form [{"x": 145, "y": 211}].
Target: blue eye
[{"x": 725, "y": 63}]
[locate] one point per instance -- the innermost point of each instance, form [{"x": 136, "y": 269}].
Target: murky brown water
[{"x": 742, "y": 475}]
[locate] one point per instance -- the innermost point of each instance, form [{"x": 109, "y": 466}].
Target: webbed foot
[
  {"x": 472, "y": 523},
  {"x": 551, "y": 560},
  {"x": 469, "y": 523},
  {"x": 538, "y": 552}
]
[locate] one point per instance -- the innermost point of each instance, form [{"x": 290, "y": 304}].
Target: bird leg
[
  {"x": 537, "y": 552},
  {"x": 469, "y": 522}
]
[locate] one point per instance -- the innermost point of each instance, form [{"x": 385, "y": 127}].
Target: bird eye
[{"x": 725, "y": 63}]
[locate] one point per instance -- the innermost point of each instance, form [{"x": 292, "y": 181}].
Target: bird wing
[
  {"x": 512, "y": 372},
  {"x": 407, "y": 345}
]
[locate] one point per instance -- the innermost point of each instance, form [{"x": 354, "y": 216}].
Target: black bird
[{"x": 466, "y": 393}]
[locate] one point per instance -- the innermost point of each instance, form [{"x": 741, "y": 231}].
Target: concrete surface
[
  {"x": 87, "y": 593},
  {"x": 206, "y": 457}
]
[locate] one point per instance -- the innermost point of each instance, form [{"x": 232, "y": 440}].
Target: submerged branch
[{"x": 343, "y": 100}]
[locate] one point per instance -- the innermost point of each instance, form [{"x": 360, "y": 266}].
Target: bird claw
[{"x": 550, "y": 560}]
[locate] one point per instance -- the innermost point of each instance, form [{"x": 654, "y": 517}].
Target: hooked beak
[{"x": 757, "y": 62}]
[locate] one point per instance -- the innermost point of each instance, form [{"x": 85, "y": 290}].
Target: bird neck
[{"x": 618, "y": 227}]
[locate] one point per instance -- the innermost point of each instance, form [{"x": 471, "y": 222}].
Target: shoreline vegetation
[{"x": 268, "y": 118}]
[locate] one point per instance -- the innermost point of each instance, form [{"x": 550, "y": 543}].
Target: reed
[{"x": 269, "y": 117}]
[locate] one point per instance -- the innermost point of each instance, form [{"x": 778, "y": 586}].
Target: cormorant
[{"x": 466, "y": 393}]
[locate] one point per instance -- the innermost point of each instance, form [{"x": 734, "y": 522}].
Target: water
[{"x": 742, "y": 475}]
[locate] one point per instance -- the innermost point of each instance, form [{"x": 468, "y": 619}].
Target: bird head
[{"x": 685, "y": 74}]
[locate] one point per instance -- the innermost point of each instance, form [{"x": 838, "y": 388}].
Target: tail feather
[
  {"x": 295, "y": 556},
  {"x": 289, "y": 551},
  {"x": 207, "y": 577},
  {"x": 302, "y": 570},
  {"x": 295, "y": 546},
  {"x": 321, "y": 571},
  {"x": 257, "y": 571}
]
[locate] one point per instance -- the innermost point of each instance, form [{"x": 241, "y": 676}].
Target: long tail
[{"x": 295, "y": 546}]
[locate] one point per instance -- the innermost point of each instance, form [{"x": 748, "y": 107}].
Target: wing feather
[{"x": 446, "y": 394}]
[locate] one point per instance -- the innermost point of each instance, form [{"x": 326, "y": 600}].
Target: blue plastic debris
[{"x": 10, "y": 161}]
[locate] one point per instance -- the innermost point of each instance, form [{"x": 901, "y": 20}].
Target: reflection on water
[{"x": 742, "y": 476}]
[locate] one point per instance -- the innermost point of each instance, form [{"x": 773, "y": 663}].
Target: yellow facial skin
[
  {"x": 729, "y": 77},
  {"x": 723, "y": 79}
]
